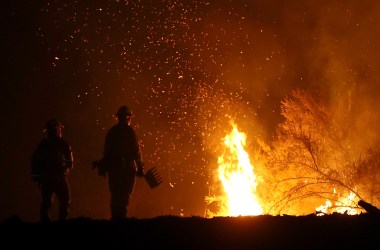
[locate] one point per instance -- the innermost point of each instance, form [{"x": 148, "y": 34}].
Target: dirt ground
[{"x": 170, "y": 232}]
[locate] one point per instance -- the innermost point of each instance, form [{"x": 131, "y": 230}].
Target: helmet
[
  {"x": 53, "y": 124},
  {"x": 123, "y": 111}
]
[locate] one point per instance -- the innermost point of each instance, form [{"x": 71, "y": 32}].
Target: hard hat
[
  {"x": 123, "y": 111},
  {"x": 53, "y": 124}
]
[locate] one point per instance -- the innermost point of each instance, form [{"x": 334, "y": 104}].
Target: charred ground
[{"x": 170, "y": 232}]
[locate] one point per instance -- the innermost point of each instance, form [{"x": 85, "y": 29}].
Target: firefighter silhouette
[
  {"x": 51, "y": 162},
  {"x": 122, "y": 161}
]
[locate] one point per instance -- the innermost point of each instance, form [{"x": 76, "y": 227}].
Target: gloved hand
[
  {"x": 102, "y": 172},
  {"x": 140, "y": 172},
  {"x": 68, "y": 165},
  {"x": 140, "y": 169}
]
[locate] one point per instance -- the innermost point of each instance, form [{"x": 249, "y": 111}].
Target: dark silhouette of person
[
  {"x": 51, "y": 162},
  {"x": 123, "y": 161}
]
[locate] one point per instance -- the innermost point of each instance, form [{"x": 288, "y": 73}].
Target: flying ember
[{"x": 237, "y": 177}]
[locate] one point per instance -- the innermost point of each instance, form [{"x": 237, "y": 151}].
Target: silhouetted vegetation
[{"x": 314, "y": 159}]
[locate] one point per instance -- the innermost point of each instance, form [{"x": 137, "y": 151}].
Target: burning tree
[{"x": 312, "y": 160}]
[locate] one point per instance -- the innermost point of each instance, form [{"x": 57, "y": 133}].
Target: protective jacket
[
  {"x": 121, "y": 148},
  {"x": 51, "y": 160}
]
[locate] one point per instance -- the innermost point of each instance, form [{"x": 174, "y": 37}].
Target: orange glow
[
  {"x": 237, "y": 177},
  {"x": 343, "y": 205}
]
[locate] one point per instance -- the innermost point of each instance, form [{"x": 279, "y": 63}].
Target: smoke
[
  {"x": 186, "y": 68},
  {"x": 343, "y": 64}
]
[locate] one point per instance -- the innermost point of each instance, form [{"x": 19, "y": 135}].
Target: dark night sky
[{"x": 185, "y": 68}]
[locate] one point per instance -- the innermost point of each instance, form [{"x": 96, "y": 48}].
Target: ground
[{"x": 335, "y": 231}]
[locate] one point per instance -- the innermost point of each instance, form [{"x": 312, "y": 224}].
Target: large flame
[{"x": 237, "y": 177}]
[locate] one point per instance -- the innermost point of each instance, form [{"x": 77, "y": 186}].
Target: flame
[
  {"x": 237, "y": 177},
  {"x": 344, "y": 205}
]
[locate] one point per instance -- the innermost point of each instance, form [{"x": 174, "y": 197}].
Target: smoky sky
[{"x": 185, "y": 68}]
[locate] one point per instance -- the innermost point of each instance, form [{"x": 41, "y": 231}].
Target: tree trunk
[{"x": 369, "y": 208}]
